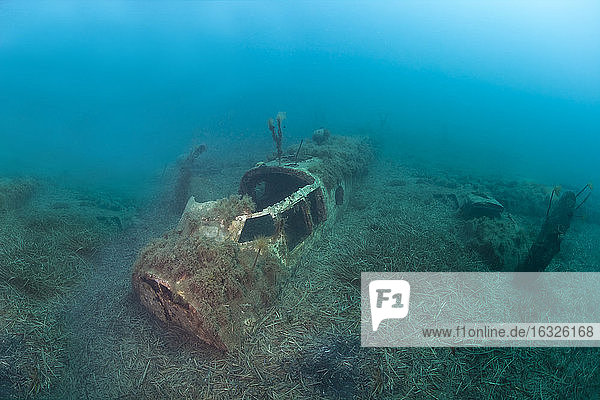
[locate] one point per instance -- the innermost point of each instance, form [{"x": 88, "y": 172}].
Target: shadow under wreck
[{"x": 223, "y": 266}]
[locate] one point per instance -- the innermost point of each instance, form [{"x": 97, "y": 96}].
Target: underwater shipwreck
[{"x": 225, "y": 262}]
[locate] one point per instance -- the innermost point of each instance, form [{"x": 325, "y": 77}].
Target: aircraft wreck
[{"x": 224, "y": 264}]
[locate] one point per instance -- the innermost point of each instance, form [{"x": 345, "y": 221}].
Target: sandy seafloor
[{"x": 308, "y": 346}]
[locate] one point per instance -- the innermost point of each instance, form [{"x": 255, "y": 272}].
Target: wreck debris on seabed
[{"x": 224, "y": 264}]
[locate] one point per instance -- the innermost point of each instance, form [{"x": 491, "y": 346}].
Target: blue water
[{"x": 113, "y": 91}]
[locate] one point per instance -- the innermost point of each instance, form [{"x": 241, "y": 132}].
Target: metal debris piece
[
  {"x": 547, "y": 243},
  {"x": 475, "y": 204},
  {"x": 320, "y": 136}
]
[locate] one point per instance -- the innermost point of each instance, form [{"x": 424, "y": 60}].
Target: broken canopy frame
[{"x": 292, "y": 203}]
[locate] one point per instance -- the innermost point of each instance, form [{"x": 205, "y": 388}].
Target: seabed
[{"x": 71, "y": 325}]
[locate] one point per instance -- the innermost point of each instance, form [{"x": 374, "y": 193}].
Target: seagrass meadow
[{"x": 72, "y": 328}]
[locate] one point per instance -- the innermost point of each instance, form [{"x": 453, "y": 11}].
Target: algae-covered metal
[{"x": 216, "y": 273}]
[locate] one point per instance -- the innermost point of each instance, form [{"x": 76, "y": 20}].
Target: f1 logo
[{"x": 389, "y": 300}]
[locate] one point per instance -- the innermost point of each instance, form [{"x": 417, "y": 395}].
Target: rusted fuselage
[{"x": 215, "y": 274}]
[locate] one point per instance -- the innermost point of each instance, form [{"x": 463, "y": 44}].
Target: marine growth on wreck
[{"x": 227, "y": 259}]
